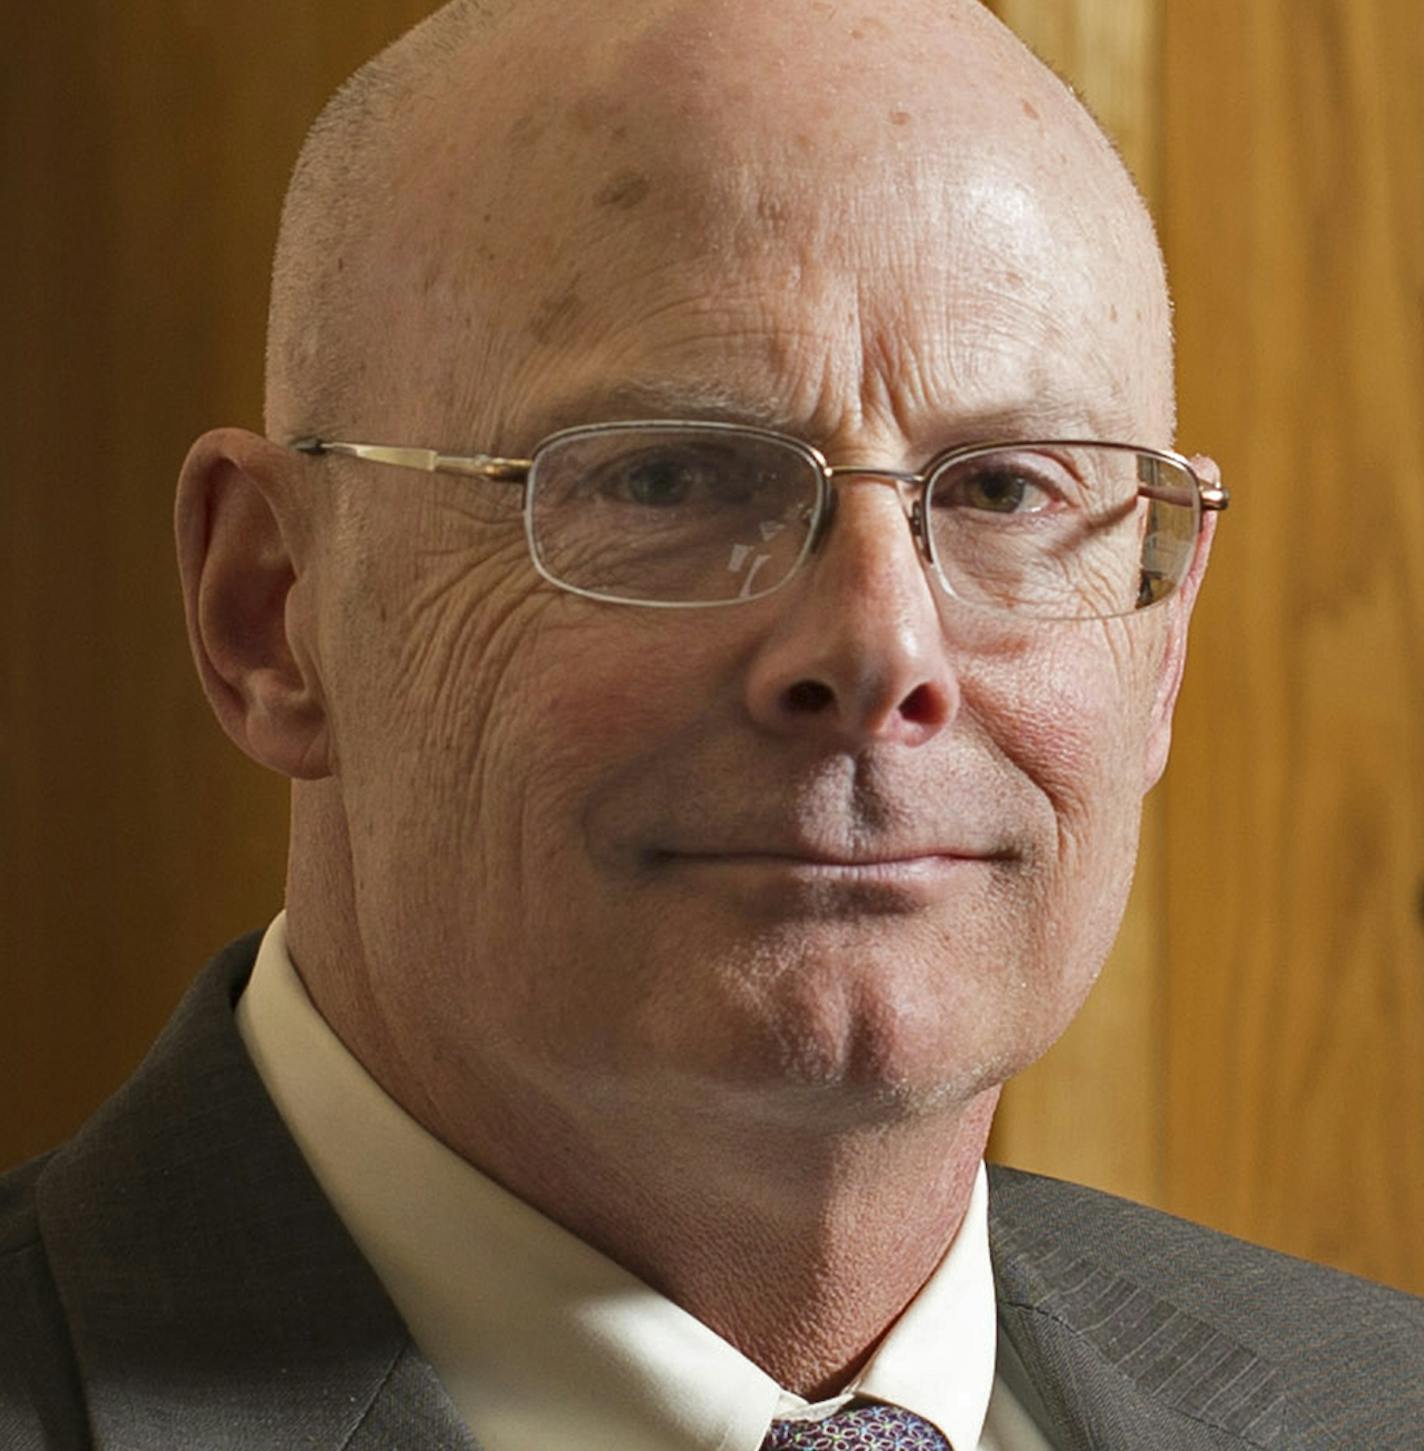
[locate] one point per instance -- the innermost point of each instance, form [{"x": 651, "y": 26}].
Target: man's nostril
[
  {"x": 809, "y": 697},
  {"x": 922, "y": 706}
]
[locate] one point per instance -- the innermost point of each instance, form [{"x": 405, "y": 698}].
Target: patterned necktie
[{"x": 866, "y": 1428}]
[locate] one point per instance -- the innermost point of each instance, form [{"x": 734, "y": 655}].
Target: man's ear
[
  {"x": 1174, "y": 651},
  {"x": 241, "y": 555}
]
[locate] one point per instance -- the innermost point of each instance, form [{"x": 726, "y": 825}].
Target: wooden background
[{"x": 1254, "y": 1056}]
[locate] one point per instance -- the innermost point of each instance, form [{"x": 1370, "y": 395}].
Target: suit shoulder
[
  {"x": 41, "y": 1403},
  {"x": 1350, "y": 1352},
  {"x": 1164, "y": 1246}
]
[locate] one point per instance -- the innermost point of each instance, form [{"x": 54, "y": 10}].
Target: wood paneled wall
[
  {"x": 1255, "y": 1054},
  {"x": 145, "y": 152},
  {"x": 1294, "y": 210},
  {"x": 1275, "y": 947}
]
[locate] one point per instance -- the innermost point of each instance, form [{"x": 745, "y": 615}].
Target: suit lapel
[
  {"x": 1115, "y": 1366},
  {"x": 214, "y": 1298},
  {"x": 411, "y": 1410}
]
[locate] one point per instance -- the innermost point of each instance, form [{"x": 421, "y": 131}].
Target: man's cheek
[
  {"x": 1070, "y": 726},
  {"x": 509, "y": 729},
  {"x": 461, "y": 662},
  {"x": 1051, "y": 713}
]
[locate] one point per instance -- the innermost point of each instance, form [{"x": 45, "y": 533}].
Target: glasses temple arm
[
  {"x": 424, "y": 460},
  {"x": 1213, "y": 499}
]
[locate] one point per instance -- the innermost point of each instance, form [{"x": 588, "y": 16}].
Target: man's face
[{"x": 852, "y": 839}]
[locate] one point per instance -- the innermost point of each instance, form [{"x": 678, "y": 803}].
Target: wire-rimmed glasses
[{"x": 674, "y": 514}]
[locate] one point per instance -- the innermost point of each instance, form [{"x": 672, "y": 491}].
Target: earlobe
[{"x": 240, "y": 554}]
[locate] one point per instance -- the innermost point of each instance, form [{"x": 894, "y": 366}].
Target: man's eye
[
  {"x": 663, "y": 481},
  {"x": 657, "y": 485},
  {"x": 998, "y": 490}
]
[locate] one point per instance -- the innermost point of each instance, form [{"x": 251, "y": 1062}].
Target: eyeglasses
[{"x": 670, "y": 514}]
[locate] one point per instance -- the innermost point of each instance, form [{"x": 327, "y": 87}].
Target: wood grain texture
[
  {"x": 1273, "y": 957},
  {"x": 146, "y": 151},
  {"x": 1294, "y": 223}
]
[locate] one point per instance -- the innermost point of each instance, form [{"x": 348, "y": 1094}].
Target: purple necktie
[{"x": 866, "y": 1428}]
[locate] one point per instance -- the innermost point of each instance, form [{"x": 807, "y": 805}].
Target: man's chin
[
  {"x": 842, "y": 1057},
  {"x": 824, "y": 1101}
]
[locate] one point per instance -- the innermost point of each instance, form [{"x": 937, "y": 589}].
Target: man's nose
[{"x": 858, "y": 655}]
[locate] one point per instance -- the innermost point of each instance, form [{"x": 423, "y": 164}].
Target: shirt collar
[{"x": 540, "y": 1339}]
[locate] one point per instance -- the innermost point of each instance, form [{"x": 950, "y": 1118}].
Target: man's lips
[
  {"x": 866, "y": 883},
  {"x": 871, "y": 861}
]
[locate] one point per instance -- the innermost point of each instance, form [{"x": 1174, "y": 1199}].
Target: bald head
[{"x": 463, "y": 202}]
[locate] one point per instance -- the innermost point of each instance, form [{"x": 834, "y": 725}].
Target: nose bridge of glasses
[
  {"x": 908, "y": 489},
  {"x": 901, "y": 479}
]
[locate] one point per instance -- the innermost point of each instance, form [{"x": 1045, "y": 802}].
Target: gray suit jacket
[{"x": 173, "y": 1278}]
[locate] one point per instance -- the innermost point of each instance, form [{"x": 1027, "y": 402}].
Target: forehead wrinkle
[
  {"x": 841, "y": 354},
  {"x": 730, "y": 205},
  {"x": 710, "y": 399},
  {"x": 1037, "y": 280},
  {"x": 847, "y": 361}
]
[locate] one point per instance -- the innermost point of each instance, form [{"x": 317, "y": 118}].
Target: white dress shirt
[{"x": 542, "y": 1341}]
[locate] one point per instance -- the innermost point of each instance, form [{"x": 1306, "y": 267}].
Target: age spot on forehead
[
  {"x": 527, "y": 130},
  {"x": 625, "y": 191},
  {"x": 590, "y": 113},
  {"x": 773, "y": 213},
  {"x": 1029, "y": 110},
  {"x": 554, "y": 314},
  {"x": 900, "y": 118}
]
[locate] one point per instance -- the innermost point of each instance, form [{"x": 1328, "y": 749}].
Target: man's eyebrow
[
  {"x": 710, "y": 401},
  {"x": 660, "y": 398}
]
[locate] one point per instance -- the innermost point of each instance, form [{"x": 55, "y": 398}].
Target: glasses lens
[
  {"x": 1063, "y": 531},
  {"x": 653, "y": 514}
]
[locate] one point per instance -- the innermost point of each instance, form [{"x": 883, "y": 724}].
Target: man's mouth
[{"x": 907, "y": 866}]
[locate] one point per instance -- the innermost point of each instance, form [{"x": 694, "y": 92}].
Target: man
[{"x": 695, "y": 820}]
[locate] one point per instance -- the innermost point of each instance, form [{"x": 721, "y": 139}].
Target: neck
[
  {"x": 799, "y": 1247},
  {"x": 799, "y": 1250}
]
